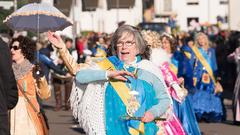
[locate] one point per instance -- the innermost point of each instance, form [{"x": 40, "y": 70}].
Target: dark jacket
[{"x": 8, "y": 87}]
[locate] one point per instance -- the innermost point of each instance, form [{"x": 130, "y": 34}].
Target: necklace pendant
[{"x": 132, "y": 105}]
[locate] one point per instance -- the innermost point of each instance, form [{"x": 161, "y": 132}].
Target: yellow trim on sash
[
  {"x": 173, "y": 68},
  {"x": 187, "y": 54},
  {"x": 138, "y": 131},
  {"x": 133, "y": 131},
  {"x": 123, "y": 92},
  {"x": 120, "y": 87},
  {"x": 100, "y": 53},
  {"x": 194, "y": 81},
  {"x": 204, "y": 63},
  {"x": 141, "y": 127}
]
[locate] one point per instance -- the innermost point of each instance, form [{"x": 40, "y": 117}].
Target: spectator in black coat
[{"x": 8, "y": 87}]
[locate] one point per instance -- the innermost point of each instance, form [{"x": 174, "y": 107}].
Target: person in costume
[
  {"x": 160, "y": 58},
  {"x": 31, "y": 83},
  {"x": 188, "y": 63},
  {"x": 100, "y": 48},
  {"x": 182, "y": 107},
  {"x": 99, "y": 51},
  {"x": 124, "y": 93},
  {"x": 206, "y": 98}
]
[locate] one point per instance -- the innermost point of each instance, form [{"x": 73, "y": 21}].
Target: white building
[
  {"x": 6, "y": 4},
  {"x": 106, "y": 16},
  {"x": 204, "y": 11},
  {"x": 234, "y": 19},
  {"x": 102, "y": 15}
]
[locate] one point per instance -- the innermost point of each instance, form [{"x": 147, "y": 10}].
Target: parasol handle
[
  {"x": 127, "y": 117},
  {"x": 38, "y": 36}
]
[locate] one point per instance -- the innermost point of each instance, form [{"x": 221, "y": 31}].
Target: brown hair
[
  {"x": 171, "y": 40},
  {"x": 27, "y": 46},
  {"x": 144, "y": 50}
]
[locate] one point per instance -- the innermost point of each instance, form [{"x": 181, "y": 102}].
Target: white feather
[{"x": 159, "y": 56}]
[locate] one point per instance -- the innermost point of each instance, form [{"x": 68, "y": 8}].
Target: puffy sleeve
[
  {"x": 90, "y": 75},
  {"x": 69, "y": 61},
  {"x": 160, "y": 89}
]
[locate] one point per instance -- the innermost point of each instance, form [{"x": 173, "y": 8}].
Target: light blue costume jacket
[{"x": 153, "y": 97}]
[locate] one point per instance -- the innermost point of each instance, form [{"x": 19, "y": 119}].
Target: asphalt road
[{"x": 62, "y": 123}]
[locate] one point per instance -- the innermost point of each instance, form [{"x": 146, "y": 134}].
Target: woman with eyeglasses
[
  {"x": 183, "y": 107},
  {"x": 23, "y": 118},
  {"x": 183, "y": 121},
  {"x": 124, "y": 93}
]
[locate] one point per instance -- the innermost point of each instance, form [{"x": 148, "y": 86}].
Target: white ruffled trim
[
  {"x": 87, "y": 103},
  {"x": 159, "y": 56}
]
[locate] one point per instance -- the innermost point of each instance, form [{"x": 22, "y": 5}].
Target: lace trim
[
  {"x": 36, "y": 13},
  {"x": 20, "y": 70},
  {"x": 87, "y": 103}
]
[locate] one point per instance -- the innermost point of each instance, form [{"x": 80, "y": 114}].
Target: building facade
[
  {"x": 203, "y": 11},
  {"x": 234, "y": 19}
]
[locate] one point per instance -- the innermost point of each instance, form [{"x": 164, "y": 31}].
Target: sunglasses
[{"x": 14, "y": 47}]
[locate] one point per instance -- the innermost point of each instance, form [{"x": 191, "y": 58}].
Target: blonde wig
[
  {"x": 204, "y": 36},
  {"x": 151, "y": 38}
]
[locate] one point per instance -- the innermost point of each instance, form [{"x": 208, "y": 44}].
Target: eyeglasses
[
  {"x": 127, "y": 43},
  {"x": 14, "y": 47}
]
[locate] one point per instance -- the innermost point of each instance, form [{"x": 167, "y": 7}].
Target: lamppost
[
  {"x": 208, "y": 11},
  {"x": 117, "y": 5},
  {"x": 229, "y": 15},
  {"x": 15, "y": 5}
]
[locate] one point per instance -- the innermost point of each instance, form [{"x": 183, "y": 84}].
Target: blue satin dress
[
  {"x": 184, "y": 110},
  {"x": 206, "y": 104}
]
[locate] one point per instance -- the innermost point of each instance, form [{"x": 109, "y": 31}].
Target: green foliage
[
  {"x": 21, "y": 3},
  {"x": 3, "y": 14}
]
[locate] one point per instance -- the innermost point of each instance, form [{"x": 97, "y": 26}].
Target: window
[
  {"x": 55, "y": 2},
  {"x": 167, "y": 5},
  {"x": 89, "y": 5},
  {"x": 192, "y": 2},
  {"x": 120, "y": 4},
  {"x": 223, "y": 2},
  {"x": 192, "y": 21}
]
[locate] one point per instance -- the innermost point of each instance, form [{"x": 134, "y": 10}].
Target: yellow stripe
[
  {"x": 133, "y": 131},
  {"x": 174, "y": 69},
  {"x": 204, "y": 62},
  {"x": 123, "y": 92},
  {"x": 120, "y": 87},
  {"x": 138, "y": 131},
  {"x": 100, "y": 53},
  {"x": 141, "y": 128},
  {"x": 187, "y": 54}
]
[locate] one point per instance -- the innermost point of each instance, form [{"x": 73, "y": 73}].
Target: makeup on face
[{"x": 126, "y": 48}]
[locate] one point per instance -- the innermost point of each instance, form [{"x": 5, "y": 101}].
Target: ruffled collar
[
  {"x": 20, "y": 70},
  {"x": 120, "y": 65}
]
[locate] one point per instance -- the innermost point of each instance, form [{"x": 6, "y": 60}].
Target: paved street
[
  {"x": 225, "y": 128},
  {"x": 61, "y": 122}
]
